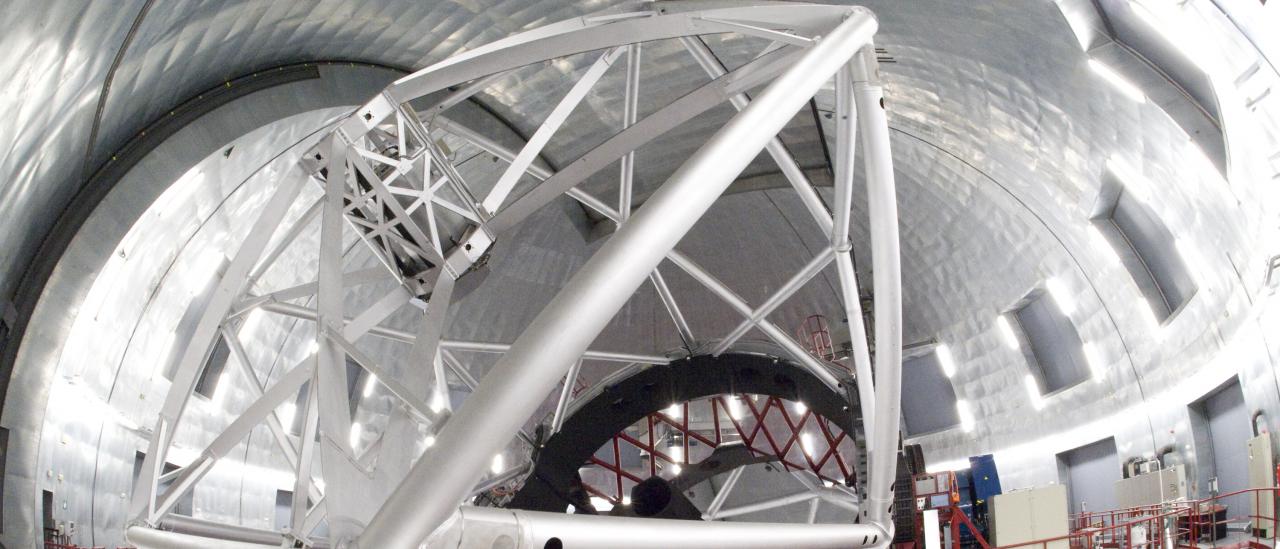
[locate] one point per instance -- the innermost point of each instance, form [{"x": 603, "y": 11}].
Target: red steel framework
[{"x": 760, "y": 435}]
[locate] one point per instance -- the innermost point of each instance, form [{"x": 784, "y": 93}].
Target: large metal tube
[
  {"x": 887, "y": 283},
  {"x": 491, "y": 527},
  {"x": 846, "y": 132},
  {"x": 306, "y": 313},
  {"x": 180, "y": 532},
  {"x": 520, "y": 381}
]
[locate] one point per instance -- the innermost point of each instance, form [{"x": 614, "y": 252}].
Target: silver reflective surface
[{"x": 1001, "y": 134}]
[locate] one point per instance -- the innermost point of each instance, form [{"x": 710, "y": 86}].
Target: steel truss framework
[
  {"x": 768, "y": 429},
  {"x": 385, "y": 176}
]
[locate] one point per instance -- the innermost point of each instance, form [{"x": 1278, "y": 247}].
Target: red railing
[
  {"x": 816, "y": 335},
  {"x": 1183, "y": 524}
]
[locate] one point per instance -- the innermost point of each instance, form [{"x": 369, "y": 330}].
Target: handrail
[{"x": 1187, "y": 519}]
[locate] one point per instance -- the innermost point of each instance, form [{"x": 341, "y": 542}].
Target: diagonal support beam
[
  {"x": 548, "y": 128},
  {"x": 778, "y": 335},
  {"x": 815, "y": 266},
  {"x": 777, "y": 150},
  {"x": 522, "y": 378},
  {"x": 287, "y": 387},
  {"x": 629, "y": 108},
  {"x": 669, "y": 117},
  {"x": 207, "y": 329}
]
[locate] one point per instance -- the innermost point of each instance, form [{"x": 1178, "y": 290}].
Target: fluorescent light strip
[
  {"x": 1103, "y": 245},
  {"x": 1066, "y": 302},
  {"x": 1006, "y": 330},
  {"x": 1118, "y": 82},
  {"x": 1192, "y": 259},
  {"x": 945, "y": 360},
  {"x": 967, "y": 421},
  {"x": 1093, "y": 357},
  {"x": 1033, "y": 392},
  {"x": 356, "y": 431}
]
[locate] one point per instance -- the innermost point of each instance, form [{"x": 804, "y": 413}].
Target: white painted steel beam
[
  {"x": 886, "y": 282},
  {"x": 519, "y": 381},
  {"x": 479, "y": 526},
  {"x": 206, "y": 332},
  {"x": 543, "y": 134}
]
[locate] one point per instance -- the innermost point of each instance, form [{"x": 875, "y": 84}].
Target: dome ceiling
[{"x": 1000, "y": 148}]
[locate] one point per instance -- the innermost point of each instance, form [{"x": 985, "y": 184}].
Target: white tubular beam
[
  {"x": 306, "y": 454},
  {"x": 462, "y": 94},
  {"x": 781, "y": 156},
  {"x": 883, "y": 206},
  {"x": 548, "y": 128},
  {"x": 770, "y": 330},
  {"x": 521, "y": 379},
  {"x": 757, "y": 71},
  {"x": 284, "y": 389},
  {"x": 629, "y": 107},
  {"x": 479, "y": 526},
  {"x": 405, "y": 394},
  {"x": 673, "y": 308},
  {"x": 566, "y": 394},
  {"x": 305, "y": 313},
  {"x": 256, "y": 390},
  {"x": 846, "y": 147},
  {"x": 308, "y": 289},
  {"x": 584, "y": 34},
  {"x": 765, "y": 505},
  {"x": 426, "y": 349},
  {"x": 726, "y": 294},
  {"x": 198, "y": 534},
  {"x": 789, "y": 288},
  {"x": 379, "y": 311},
  {"x": 207, "y": 330},
  {"x": 296, "y": 229},
  {"x": 722, "y": 495},
  {"x": 813, "y": 511}
]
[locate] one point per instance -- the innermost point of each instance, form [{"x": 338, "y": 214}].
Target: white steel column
[
  {"x": 629, "y": 107},
  {"x": 562, "y": 331},
  {"x": 846, "y": 146},
  {"x": 887, "y": 283}
]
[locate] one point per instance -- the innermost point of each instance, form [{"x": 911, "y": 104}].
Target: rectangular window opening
[
  {"x": 214, "y": 365},
  {"x": 928, "y": 398},
  {"x": 1050, "y": 342},
  {"x": 1145, "y": 246}
]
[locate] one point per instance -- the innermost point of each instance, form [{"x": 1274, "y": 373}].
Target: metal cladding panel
[
  {"x": 999, "y": 156},
  {"x": 58, "y": 55}
]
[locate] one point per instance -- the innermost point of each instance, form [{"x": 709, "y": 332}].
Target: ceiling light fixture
[{"x": 945, "y": 360}]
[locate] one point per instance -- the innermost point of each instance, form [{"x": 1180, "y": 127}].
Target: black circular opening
[{"x": 553, "y": 543}]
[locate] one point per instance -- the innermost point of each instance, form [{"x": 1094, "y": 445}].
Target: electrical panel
[
  {"x": 1021, "y": 516},
  {"x": 1262, "y": 472}
]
